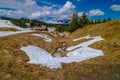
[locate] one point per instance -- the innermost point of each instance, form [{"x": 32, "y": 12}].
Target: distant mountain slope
[{"x": 64, "y": 21}]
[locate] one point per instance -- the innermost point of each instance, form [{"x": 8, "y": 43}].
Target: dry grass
[
  {"x": 7, "y": 29},
  {"x": 14, "y": 66}
]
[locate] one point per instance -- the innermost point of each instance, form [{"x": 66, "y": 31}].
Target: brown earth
[{"x": 14, "y": 66}]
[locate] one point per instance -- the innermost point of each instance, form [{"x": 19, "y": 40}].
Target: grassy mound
[{"x": 14, "y": 66}]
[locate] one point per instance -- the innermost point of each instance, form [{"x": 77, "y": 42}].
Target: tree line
[
  {"x": 75, "y": 22},
  {"x": 33, "y": 22},
  {"x": 80, "y": 22}
]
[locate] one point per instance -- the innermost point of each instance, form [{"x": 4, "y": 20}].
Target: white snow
[
  {"x": 7, "y": 33},
  {"x": 40, "y": 56},
  {"x": 8, "y": 24},
  {"x": 46, "y": 37},
  {"x": 86, "y": 37},
  {"x": 85, "y": 44},
  {"x": 37, "y": 55},
  {"x": 65, "y": 34}
]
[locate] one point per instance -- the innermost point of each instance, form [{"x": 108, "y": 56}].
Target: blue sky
[{"x": 53, "y": 10}]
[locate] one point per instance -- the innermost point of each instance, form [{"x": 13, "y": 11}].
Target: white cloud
[
  {"x": 47, "y": 3},
  {"x": 29, "y": 3},
  {"x": 96, "y": 12},
  {"x": 69, "y": 5},
  {"x": 10, "y": 13},
  {"x": 115, "y": 7},
  {"x": 65, "y": 12},
  {"x": 30, "y": 9},
  {"x": 66, "y": 8},
  {"x": 80, "y": 14},
  {"x": 40, "y": 14},
  {"x": 15, "y": 4}
]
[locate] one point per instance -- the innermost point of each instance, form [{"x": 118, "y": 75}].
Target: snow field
[
  {"x": 8, "y": 24},
  {"x": 44, "y": 58},
  {"x": 46, "y": 37}
]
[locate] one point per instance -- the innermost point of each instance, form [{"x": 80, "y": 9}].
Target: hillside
[
  {"x": 14, "y": 66},
  {"x": 110, "y": 31},
  {"x": 33, "y": 22},
  {"x": 6, "y": 25}
]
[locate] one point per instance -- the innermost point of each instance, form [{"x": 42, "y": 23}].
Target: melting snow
[
  {"x": 53, "y": 34},
  {"x": 40, "y": 56},
  {"x": 7, "y": 23},
  {"x": 85, "y": 44},
  {"x": 46, "y": 37},
  {"x": 7, "y": 33},
  {"x": 86, "y": 37}
]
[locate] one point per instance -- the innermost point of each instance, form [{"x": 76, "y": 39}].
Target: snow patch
[
  {"x": 86, "y": 37},
  {"x": 65, "y": 34},
  {"x": 8, "y": 24},
  {"x": 53, "y": 34},
  {"x": 85, "y": 44},
  {"x": 46, "y": 37},
  {"x": 7, "y": 33},
  {"x": 40, "y": 56}
]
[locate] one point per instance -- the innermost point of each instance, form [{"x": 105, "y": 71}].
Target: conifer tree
[
  {"x": 83, "y": 20},
  {"x": 92, "y": 22},
  {"x": 98, "y": 21},
  {"x": 74, "y": 22},
  {"x": 109, "y": 19},
  {"x": 104, "y": 20}
]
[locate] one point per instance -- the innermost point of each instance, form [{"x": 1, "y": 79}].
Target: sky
[{"x": 54, "y": 10}]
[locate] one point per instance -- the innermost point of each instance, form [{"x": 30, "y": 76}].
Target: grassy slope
[{"x": 14, "y": 66}]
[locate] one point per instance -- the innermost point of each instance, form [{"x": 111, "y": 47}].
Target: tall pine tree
[
  {"x": 83, "y": 21},
  {"x": 109, "y": 19},
  {"x": 74, "y": 22}
]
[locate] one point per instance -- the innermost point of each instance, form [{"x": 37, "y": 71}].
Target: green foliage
[
  {"x": 83, "y": 21},
  {"x": 104, "y": 20},
  {"x": 60, "y": 28},
  {"x": 74, "y": 23},
  {"x": 109, "y": 19},
  {"x": 22, "y": 22},
  {"x": 98, "y": 21},
  {"x": 92, "y": 22},
  {"x": 19, "y": 22}
]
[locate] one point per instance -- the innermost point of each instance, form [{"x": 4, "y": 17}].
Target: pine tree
[
  {"x": 92, "y": 21},
  {"x": 74, "y": 22},
  {"x": 109, "y": 19},
  {"x": 60, "y": 28},
  {"x": 104, "y": 20},
  {"x": 83, "y": 20},
  {"x": 98, "y": 21}
]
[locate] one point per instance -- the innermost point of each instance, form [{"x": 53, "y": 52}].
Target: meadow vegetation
[{"x": 14, "y": 66}]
